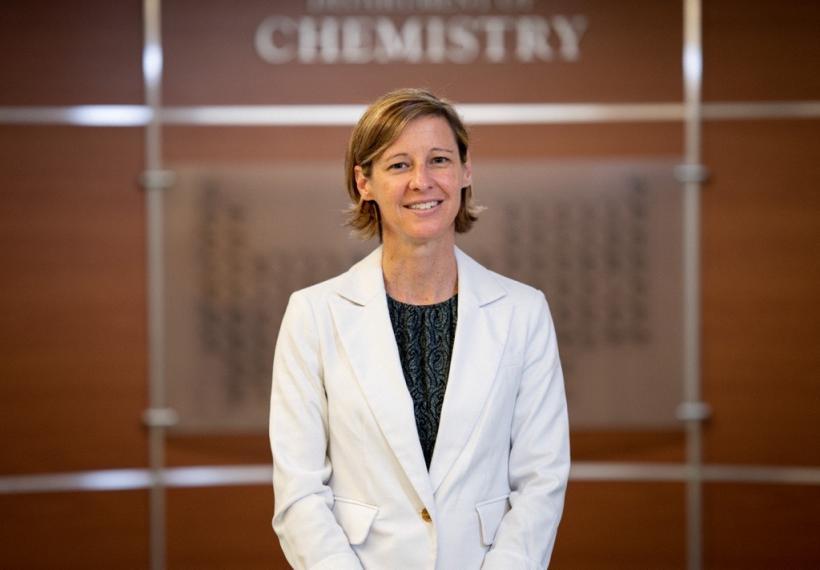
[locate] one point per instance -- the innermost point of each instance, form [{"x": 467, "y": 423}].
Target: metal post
[
  {"x": 157, "y": 418},
  {"x": 691, "y": 174}
]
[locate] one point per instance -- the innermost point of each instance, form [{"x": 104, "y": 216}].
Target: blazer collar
[
  {"x": 481, "y": 335},
  {"x": 364, "y": 281}
]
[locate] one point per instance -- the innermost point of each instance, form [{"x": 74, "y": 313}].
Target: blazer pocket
[
  {"x": 490, "y": 514},
  {"x": 355, "y": 518}
]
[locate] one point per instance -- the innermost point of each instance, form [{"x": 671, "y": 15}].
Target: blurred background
[{"x": 171, "y": 170}]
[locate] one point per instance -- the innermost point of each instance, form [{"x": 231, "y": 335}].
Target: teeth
[{"x": 424, "y": 205}]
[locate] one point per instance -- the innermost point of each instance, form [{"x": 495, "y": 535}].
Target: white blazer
[{"x": 351, "y": 486}]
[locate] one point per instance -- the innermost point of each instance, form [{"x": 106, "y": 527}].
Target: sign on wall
[
  {"x": 470, "y": 51},
  {"x": 495, "y": 32}
]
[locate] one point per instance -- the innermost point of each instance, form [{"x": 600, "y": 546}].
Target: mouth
[{"x": 424, "y": 205}]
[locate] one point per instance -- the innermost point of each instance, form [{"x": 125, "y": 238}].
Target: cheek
[
  {"x": 378, "y": 191},
  {"x": 451, "y": 182}
]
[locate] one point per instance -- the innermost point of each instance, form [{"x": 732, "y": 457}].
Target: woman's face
[{"x": 417, "y": 183}]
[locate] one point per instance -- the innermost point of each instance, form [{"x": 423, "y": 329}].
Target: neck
[{"x": 420, "y": 274}]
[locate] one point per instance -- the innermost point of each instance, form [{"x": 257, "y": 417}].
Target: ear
[
  {"x": 467, "y": 171},
  {"x": 362, "y": 183}
]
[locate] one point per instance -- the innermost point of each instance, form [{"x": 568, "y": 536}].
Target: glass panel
[
  {"x": 238, "y": 242},
  {"x": 602, "y": 239}
]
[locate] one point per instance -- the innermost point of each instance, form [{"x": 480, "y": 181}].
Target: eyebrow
[
  {"x": 392, "y": 156},
  {"x": 435, "y": 149}
]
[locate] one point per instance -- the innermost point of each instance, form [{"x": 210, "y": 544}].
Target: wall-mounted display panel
[{"x": 601, "y": 239}]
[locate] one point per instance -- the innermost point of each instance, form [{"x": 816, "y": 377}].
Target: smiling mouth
[{"x": 424, "y": 205}]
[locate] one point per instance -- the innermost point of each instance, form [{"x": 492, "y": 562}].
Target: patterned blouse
[{"x": 424, "y": 336}]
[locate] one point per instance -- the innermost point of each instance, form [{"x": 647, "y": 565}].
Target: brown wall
[{"x": 73, "y": 343}]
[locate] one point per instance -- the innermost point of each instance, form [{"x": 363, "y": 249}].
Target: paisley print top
[{"x": 425, "y": 335}]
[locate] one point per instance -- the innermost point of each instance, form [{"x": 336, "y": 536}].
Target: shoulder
[
  {"x": 312, "y": 301},
  {"x": 514, "y": 291},
  {"x": 360, "y": 281},
  {"x": 518, "y": 291},
  {"x": 318, "y": 291}
]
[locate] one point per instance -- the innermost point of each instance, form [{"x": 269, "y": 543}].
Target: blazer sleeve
[
  {"x": 303, "y": 519},
  {"x": 539, "y": 455}
]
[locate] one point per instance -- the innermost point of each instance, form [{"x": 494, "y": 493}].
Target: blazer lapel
[
  {"x": 481, "y": 333},
  {"x": 363, "y": 324}
]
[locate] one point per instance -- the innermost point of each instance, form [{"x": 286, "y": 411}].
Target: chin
[{"x": 434, "y": 234}]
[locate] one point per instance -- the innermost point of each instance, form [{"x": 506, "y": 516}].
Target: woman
[{"x": 418, "y": 417}]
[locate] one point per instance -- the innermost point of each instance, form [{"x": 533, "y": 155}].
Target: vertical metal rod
[
  {"x": 692, "y": 76},
  {"x": 152, "y": 74}
]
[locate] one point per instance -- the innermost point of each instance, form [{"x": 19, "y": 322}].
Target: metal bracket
[
  {"x": 691, "y": 173},
  {"x": 160, "y": 417},
  {"x": 693, "y": 411},
  {"x": 157, "y": 179}
]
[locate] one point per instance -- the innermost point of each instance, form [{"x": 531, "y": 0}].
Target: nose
[{"x": 421, "y": 179}]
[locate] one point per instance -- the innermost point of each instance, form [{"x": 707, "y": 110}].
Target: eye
[
  {"x": 440, "y": 160},
  {"x": 397, "y": 165}
]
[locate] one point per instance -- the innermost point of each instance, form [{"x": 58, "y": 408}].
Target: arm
[
  {"x": 539, "y": 455},
  {"x": 308, "y": 532}
]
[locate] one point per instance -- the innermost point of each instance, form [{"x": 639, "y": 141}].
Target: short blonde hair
[{"x": 381, "y": 124}]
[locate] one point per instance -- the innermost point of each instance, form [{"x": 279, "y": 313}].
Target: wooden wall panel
[
  {"x": 249, "y": 449},
  {"x": 761, "y": 526},
  {"x": 227, "y": 527},
  {"x": 74, "y": 531},
  {"x": 760, "y": 50},
  {"x": 73, "y": 342},
  {"x": 761, "y": 319},
  {"x": 71, "y": 53},
  {"x": 72, "y": 248},
  {"x": 626, "y": 445},
  {"x": 619, "y": 526}
]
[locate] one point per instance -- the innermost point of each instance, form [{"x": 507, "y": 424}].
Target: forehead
[{"x": 425, "y": 131}]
